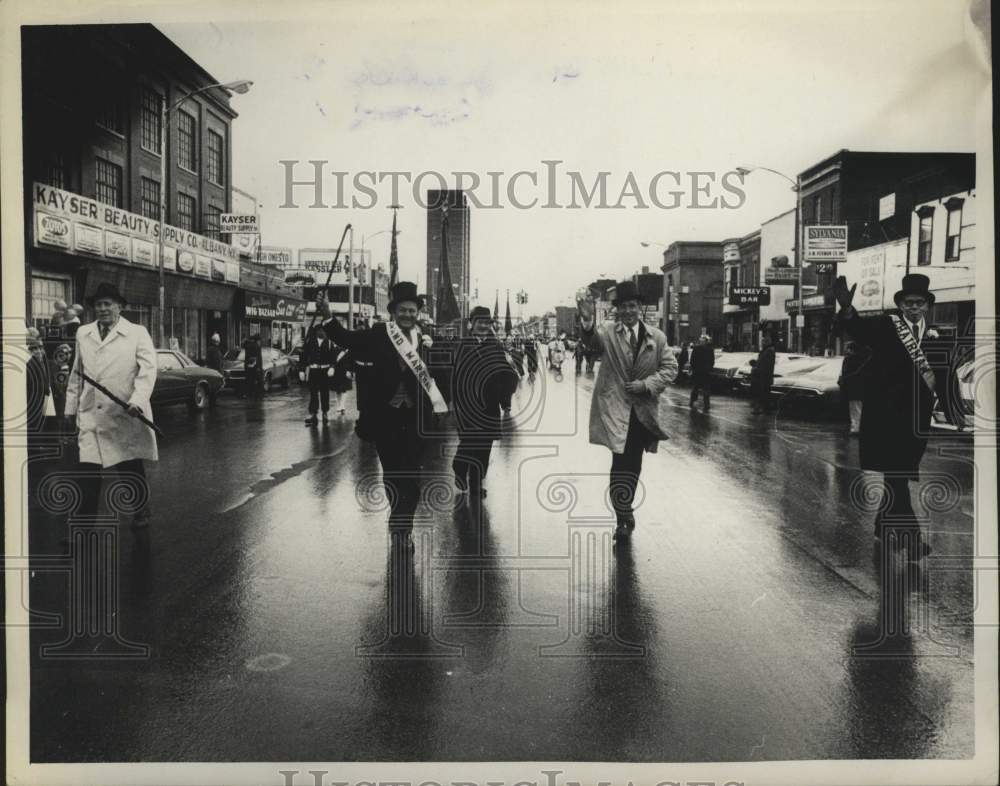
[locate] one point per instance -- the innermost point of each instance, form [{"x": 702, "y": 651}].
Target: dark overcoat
[
  {"x": 481, "y": 377},
  {"x": 896, "y": 417}
]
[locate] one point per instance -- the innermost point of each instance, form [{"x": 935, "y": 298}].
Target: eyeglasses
[{"x": 914, "y": 303}]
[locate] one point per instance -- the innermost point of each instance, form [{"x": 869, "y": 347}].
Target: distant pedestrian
[
  {"x": 482, "y": 380},
  {"x": 402, "y": 396},
  {"x": 213, "y": 355},
  {"x": 341, "y": 381},
  {"x": 253, "y": 367},
  {"x": 852, "y": 381},
  {"x": 120, "y": 356},
  {"x": 702, "y": 363},
  {"x": 531, "y": 353},
  {"x": 625, "y": 406},
  {"x": 899, "y": 397},
  {"x": 762, "y": 377},
  {"x": 317, "y": 360},
  {"x": 683, "y": 358}
]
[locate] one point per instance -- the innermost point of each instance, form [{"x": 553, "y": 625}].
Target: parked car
[
  {"x": 723, "y": 376},
  {"x": 296, "y": 357},
  {"x": 277, "y": 368},
  {"x": 179, "y": 379},
  {"x": 811, "y": 386},
  {"x": 784, "y": 363}
]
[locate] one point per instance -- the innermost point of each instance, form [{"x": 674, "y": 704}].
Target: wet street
[{"x": 266, "y": 617}]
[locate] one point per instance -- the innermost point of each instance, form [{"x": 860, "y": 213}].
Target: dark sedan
[
  {"x": 180, "y": 380},
  {"x": 278, "y": 367}
]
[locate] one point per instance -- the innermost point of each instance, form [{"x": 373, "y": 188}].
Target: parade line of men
[{"x": 409, "y": 384}]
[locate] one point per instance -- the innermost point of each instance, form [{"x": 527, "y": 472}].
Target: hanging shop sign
[
  {"x": 243, "y": 223},
  {"x": 750, "y": 296},
  {"x": 261, "y": 306},
  {"x": 825, "y": 243}
]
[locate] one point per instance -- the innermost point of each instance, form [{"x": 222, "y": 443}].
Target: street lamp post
[
  {"x": 240, "y": 86},
  {"x": 795, "y": 246}
]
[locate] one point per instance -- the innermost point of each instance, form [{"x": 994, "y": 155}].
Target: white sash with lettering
[
  {"x": 913, "y": 348},
  {"x": 411, "y": 358}
]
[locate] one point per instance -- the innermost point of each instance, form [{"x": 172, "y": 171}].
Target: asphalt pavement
[{"x": 266, "y": 616}]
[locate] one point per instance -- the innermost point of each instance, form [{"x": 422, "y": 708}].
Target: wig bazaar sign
[
  {"x": 271, "y": 307},
  {"x": 96, "y": 216}
]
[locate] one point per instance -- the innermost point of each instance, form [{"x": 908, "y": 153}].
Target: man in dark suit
[
  {"x": 400, "y": 398},
  {"x": 480, "y": 380},
  {"x": 762, "y": 376},
  {"x": 702, "y": 363},
  {"x": 317, "y": 360},
  {"x": 899, "y": 397}
]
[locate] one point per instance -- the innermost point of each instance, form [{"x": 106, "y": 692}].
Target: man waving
[{"x": 624, "y": 411}]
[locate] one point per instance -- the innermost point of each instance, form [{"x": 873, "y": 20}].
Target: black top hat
[
  {"x": 107, "y": 290},
  {"x": 915, "y": 284},
  {"x": 405, "y": 290},
  {"x": 626, "y": 290},
  {"x": 479, "y": 312}
]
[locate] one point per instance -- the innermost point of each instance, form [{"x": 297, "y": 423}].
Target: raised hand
[{"x": 844, "y": 296}]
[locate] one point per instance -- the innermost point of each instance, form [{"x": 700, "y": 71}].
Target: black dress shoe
[{"x": 311, "y": 421}]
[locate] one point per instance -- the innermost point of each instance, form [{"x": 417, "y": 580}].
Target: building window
[
  {"x": 108, "y": 183},
  {"x": 56, "y": 169},
  {"x": 186, "y": 142},
  {"x": 215, "y": 158},
  {"x": 150, "y": 200},
  {"x": 926, "y": 235},
  {"x": 152, "y": 132},
  {"x": 44, "y": 293},
  {"x": 213, "y": 218},
  {"x": 111, "y": 117},
  {"x": 818, "y": 209},
  {"x": 185, "y": 212},
  {"x": 953, "y": 245}
]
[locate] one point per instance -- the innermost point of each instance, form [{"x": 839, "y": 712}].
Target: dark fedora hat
[
  {"x": 107, "y": 290},
  {"x": 405, "y": 290},
  {"x": 479, "y": 312},
  {"x": 915, "y": 284},
  {"x": 626, "y": 290}
]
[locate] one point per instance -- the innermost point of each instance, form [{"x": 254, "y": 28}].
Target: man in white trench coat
[
  {"x": 636, "y": 365},
  {"x": 113, "y": 441}
]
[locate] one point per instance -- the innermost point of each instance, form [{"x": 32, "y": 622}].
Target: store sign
[
  {"x": 143, "y": 252},
  {"x": 185, "y": 261},
  {"x": 202, "y": 266},
  {"x": 246, "y": 244},
  {"x": 72, "y": 211},
  {"x": 233, "y": 272},
  {"x": 239, "y": 222},
  {"x": 169, "y": 258},
  {"x": 273, "y": 307},
  {"x": 117, "y": 246},
  {"x": 218, "y": 270},
  {"x": 825, "y": 243},
  {"x": 814, "y": 301},
  {"x": 53, "y": 230},
  {"x": 750, "y": 296},
  {"x": 88, "y": 239},
  {"x": 781, "y": 275},
  {"x": 318, "y": 263},
  {"x": 279, "y": 256},
  {"x": 731, "y": 252},
  {"x": 887, "y": 206}
]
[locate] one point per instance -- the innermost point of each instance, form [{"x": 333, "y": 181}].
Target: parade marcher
[
  {"x": 343, "y": 373},
  {"x": 253, "y": 367},
  {"x": 852, "y": 381},
  {"x": 702, "y": 363},
  {"x": 317, "y": 362},
  {"x": 579, "y": 354},
  {"x": 213, "y": 355},
  {"x": 120, "y": 356},
  {"x": 682, "y": 359},
  {"x": 762, "y": 377},
  {"x": 481, "y": 380},
  {"x": 402, "y": 395},
  {"x": 531, "y": 352},
  {"x": 899, "y": 397},
  {"x": 625, "y": 408}
]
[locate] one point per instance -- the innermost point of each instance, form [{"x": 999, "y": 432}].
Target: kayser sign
[{"x": 260, "y": 306}]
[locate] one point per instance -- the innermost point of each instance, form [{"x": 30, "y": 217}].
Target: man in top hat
[
  {"x": 908, "y": 369},
  {"x": 625, "y": 417},
  {"x": 120, "y": 356},
  {"x": 481, "y": 383},
  {"x": 401, "y": 394}
]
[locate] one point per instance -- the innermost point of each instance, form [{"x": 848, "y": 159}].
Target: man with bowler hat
[
  {"x": 481, "y": 378},
  {"x": 120, "y": 356},
  {"x": 908, "y": 370},
  {"x": 401, "y": 398},
  {"x": 625, "y": 412}
]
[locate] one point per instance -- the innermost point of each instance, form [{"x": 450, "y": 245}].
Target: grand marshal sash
[
  {"x": 411, "y": 358},
  {"x": 913, "y": 348}
]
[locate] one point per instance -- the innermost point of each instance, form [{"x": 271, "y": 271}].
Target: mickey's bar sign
[{"x": 70, "y": 221}]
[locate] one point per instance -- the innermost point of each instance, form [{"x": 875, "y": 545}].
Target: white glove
[
  {"x": 302, "y": 376},
  {"x": 427, "y": 341},
  {"x": 329, "y": 372},
  {"x": 350, "y": 375}
]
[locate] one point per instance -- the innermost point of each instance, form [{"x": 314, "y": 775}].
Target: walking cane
[
  {"x": 124, "y": 405},
  {"x": 326, "y": 286}
]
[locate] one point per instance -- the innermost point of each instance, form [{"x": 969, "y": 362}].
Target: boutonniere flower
[{"x": 931, "y": 333}]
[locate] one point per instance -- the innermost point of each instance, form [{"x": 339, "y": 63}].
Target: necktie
[
  {"x": 631, "y": 339},
  {"x": 104, "y": 330},
  {"x": 915, "y": 327}
]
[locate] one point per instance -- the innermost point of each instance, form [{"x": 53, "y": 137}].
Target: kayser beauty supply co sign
[{"x": 74, "y": 223}]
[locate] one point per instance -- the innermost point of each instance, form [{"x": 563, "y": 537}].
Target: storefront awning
[{"x": 143, "y": 287}]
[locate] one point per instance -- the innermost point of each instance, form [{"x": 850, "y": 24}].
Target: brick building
[{"x": 693, "y": 289}]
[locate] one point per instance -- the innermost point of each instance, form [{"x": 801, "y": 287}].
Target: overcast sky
[{"x": 665, "y": 87}]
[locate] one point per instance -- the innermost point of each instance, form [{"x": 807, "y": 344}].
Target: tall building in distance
[{"x": 458, "y": 246}]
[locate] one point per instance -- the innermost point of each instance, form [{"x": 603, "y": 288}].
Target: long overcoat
[
  {"x": 480, "y": 379},
  {"x": 124, "y": 363},
  {"x": 896, "y": 417},
  {"x": 611, "y": 406}
]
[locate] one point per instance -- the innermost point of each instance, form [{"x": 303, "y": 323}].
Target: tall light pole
[
  {"x": 800, "y": 315},
  {"x": 369, "y": 237},
  {"x": 240, "y": 86}
]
